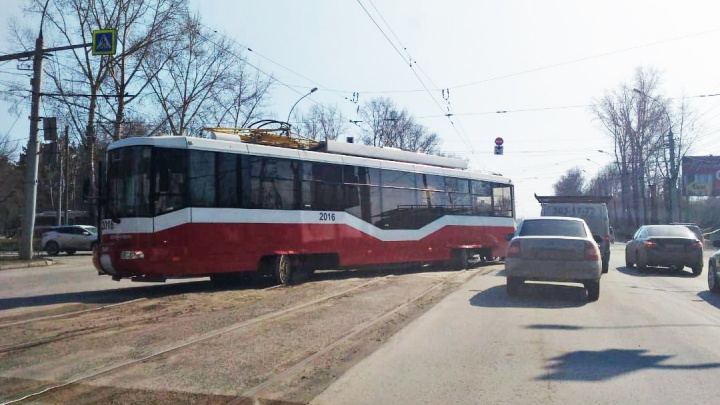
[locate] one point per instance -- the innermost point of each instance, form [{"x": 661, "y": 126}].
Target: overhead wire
[
  {"x": 410, "y": 63},
  {"x": 587, "y": 58}
]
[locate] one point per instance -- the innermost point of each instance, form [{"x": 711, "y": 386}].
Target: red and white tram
[{"x": 191, "y": 207}]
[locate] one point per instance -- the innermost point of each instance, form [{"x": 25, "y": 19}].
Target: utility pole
[
  {"x": 61, "y": 178},
  {"x": 66, "y": 179},
  {"x": 672, "y": 187},
  {"x": 31, "y": 168}
]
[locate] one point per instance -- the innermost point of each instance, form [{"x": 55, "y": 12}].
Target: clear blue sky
[{"x": 544, "y": 62}]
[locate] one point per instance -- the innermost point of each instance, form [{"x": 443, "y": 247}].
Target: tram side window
[
  {"x": 395, "y": 178},
  {"x": 458, "y": 196},
  {"x": 202, "y": 178},
  {"x": 273, "y": 183},
  {"x": 322, "y": 187},
  {"x": 400, "y": 208},
  {"x": 502, "y": 200},
  {"x": 169, "y": 180},
  {"x": 482, "y": 197},
  {"x": 228, "y": 186},
  {"x": 356, "y": 191}
]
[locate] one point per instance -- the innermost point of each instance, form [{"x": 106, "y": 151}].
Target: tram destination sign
[{"x": 701, "y": 176}]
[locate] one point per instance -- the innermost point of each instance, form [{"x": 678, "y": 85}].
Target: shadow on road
[
  {"x": 106, "y": 297},
  {"x": 656, "y": 272},
  {"x": 532, "y": 295},
  {"x": 585, "y": 365},
  {"x": 710, "y": 298}
]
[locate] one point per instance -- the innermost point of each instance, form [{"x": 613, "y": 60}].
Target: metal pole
[
  {"x": 59, "y": 147},
  {"x": 31, "y": 170},
  {"x": 674, "y": 211},
  {"x": 66, "y": 180}
]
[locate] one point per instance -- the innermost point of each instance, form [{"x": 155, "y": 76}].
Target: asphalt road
[
  {"x": 72, "y": 279},
  {"x": 651, "y": 338}
]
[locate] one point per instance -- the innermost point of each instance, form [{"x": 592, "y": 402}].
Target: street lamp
[
  {"x": 671, "y": 145},
  {"x": 314, "y": 89},
  {"x": 592, "y": 161}
]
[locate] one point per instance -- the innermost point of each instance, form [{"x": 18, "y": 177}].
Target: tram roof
[{"x": 327, "y": 152}]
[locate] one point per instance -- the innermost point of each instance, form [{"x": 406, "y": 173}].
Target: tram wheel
[
  {"x": 284, "y": 269},
  {"x": 460, "y": 259}
]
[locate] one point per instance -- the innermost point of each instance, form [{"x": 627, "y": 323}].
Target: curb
[{"x": 25, "y": 264}]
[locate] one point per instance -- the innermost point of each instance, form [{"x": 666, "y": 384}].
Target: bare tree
[
  {"x": 10, "y": 179},
  {"x": 385, "y": 125},
  {"x": 88, "y": 91},
  {"x": 188, "y": 76},
  {"x": 242, "y": 100},
  {"x": 571, "y": 183},
  {"x": 629, "y": 122},
  {"x": 323, "y": 123},
  {"x": 650, "y": 139}
]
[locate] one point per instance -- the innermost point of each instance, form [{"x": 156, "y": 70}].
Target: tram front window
[
  {"x": 169, "y": 180},
  {"x": 128, "y": 182}
]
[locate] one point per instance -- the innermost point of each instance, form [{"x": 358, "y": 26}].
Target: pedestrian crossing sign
[{"x": 104, "y": 42}]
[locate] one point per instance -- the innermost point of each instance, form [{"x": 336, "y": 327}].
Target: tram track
[
  {"x": 252, "y": 393},
  {"x": 68, "y": 314},
  {"x": 192, "y": 341},
  {"x": 65, "y": 334}
]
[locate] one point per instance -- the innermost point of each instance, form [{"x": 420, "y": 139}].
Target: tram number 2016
[{"x": 327, "y": 216}]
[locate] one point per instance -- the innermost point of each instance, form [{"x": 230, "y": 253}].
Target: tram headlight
[{"x": 132, "y": 254}]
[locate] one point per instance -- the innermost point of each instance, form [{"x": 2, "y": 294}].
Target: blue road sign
[{"x": 104, "y": 42}]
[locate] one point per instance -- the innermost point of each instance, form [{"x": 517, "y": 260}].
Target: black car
[
  {"x": 673, "y": 246},
  {"x": 714, "y": 269}
]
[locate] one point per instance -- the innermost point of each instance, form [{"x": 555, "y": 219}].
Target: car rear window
[
  {"x": 678, "y": 231},
  {"x": 552, "y": 227}
]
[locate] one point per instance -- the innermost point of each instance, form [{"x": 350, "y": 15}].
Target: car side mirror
[
  {"x": 509, "y": 236},
  {"x": 598, "y": 239}
]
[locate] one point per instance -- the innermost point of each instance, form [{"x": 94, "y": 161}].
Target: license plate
[{"x": 549, "y": 254}]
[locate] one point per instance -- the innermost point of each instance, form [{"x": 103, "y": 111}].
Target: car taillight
[
  {"x": 696, "y": 245},
  {"x": 650, "y": 244},
  {"x": 607, "y": 238},
  {"x": 591, "y": 251},
  {"x": 513, "y": 249}
]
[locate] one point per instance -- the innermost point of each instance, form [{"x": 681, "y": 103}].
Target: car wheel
[
  {"x": 513, "y": 285},
  {"x": 697, "y": 269},
  {"x": 628, "y": 262},
  {"x": 712, "y": 280},
  {"x": 640, "y": 266},
  {"x": 70, "y": 252},
  {"x": 52, "y": 248},
  {"x": 593, "y": 290}
]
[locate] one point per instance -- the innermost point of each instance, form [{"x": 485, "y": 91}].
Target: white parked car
[
  {"x": 559, "y": 249},
  {"x": 69, "y": 238}
]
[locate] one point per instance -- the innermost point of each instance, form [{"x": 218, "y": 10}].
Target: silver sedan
[{"x": 559, "y": 249}]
